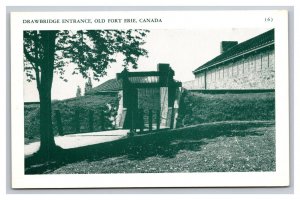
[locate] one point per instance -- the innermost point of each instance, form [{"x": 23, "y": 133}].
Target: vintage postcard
[{"x": 150, "y": 99}]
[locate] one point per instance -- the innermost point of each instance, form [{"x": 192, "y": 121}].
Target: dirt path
[{"x": 79, "y": 140}]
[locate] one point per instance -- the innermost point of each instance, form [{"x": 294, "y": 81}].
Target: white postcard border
[{"x": 171, "y": 20}]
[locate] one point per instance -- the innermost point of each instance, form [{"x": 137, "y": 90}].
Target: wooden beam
[
  {"x": 137, "y": 74},
  {"x": 153, "y": 85}
]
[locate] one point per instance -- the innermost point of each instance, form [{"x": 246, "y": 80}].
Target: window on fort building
[
  {"x": 254, "y": 61},
  {"x": 229, "y": 71},
  {"x": 272, "y": 59},
  {"x": 247, "y": 63},
  {"x": 264, "y": 60},
  {"x": 240, "y": 68},
  {"x": 243, "y": 65},
  {"x": 268, "y": 54},
  {"x": 222, "y": 72},
  {"x": 234, "y": 69},
  {"x": 225, "y": 71},
  {"x": 258, "y": 62},
  {"x": 214, "y": 75},
  {"x": 251, "y": 64}
]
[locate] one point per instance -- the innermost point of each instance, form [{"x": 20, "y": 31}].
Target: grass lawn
[{"x": 214, "y": 147}]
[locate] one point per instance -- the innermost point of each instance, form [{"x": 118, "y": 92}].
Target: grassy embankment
[
  {"x": 67, "y": 109},
  {"x": 197, "y": 108}
]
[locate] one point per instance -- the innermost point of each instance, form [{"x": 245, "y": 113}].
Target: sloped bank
[
  {"x": 106, "y": 103},
  {"x": 196, "y": 108}
]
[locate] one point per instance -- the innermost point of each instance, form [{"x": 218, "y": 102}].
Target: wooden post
[
  {"x": 58, "y": 121},
  {"x": 141, "y": 120},
  {"x": 132, "y": 121},
  {"x": 172, "y": 119},
  {"x": 169, "y": 117},
  {"x": 102, "y": 120},
  {"x": 91, "y": 120},
  {"x": 157, "y": 120},
  {"x": 77, "y": 121},
  {"x": 150, "y": 120}
]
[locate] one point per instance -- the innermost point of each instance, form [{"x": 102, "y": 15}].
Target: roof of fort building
[
  {"x": 257, "y": 42},
  {"x": 115, "y": 85},
  {"x": 111, "y": 85}
]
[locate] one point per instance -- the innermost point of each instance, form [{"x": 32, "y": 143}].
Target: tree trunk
[
  {"x": 47, "y": 147},
  {"x": 46, "y": 130}
]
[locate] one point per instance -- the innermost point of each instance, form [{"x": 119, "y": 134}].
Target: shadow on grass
[{"x": 164, "y": 144}]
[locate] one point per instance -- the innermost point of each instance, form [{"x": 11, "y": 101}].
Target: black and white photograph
[{"x": 141, "y": 100}]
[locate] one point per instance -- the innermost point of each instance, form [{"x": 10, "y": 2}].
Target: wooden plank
[
  {"x": 136, "y": 74},
  {"x": 150, "y": 120},
  {"x": 157, "y": 120},
  {"x": 141, "y": 120}
]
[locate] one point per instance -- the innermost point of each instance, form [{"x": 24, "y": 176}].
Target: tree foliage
[{"x": 91, "y": 50}]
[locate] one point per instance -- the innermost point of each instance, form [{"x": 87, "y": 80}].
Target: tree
[
  {"x": 49, "y": 52},
  {"x": 78, "y": 91},
  {"x": 88, "y": 85}
]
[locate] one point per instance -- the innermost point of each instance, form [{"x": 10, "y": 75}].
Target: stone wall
[{"x": 252, "y": 72}]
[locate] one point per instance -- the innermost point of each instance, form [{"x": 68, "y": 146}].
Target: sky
[{"x": 184, "y": 50}]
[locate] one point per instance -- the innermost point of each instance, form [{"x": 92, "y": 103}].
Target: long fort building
[{"x": 248, "y": 65}]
